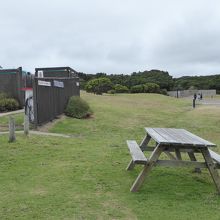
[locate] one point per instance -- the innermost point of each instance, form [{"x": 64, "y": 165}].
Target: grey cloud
[{"x": 117, "y": 36}]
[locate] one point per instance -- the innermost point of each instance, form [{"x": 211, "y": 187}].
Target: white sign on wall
[
  {"x": 58, "y": 84},
  {"x": 40, "y": 74},
  {"x": 44, "y": 83},
  {"x": 77, "y": 83}
]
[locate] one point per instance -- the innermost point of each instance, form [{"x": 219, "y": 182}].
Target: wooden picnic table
[{"x": 173, "y": 142}]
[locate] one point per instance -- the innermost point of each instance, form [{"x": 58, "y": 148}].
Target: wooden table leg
[
  {"x": 178, "y": 154},
  {"x": 147, "y": 168},
  {"x": 193, "y": 158},
  {"x": 211, "y": 166},
  {"x": 131, "y": 165},
  {"x": 145, "y": 142}
]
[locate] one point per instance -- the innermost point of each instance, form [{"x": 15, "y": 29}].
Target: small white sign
[
  {"x": 40, "y": 74},
  {"x": 44, "y": 83},
  {"x": 58, "y": 84},
  {"x": 77, "y": 83}
]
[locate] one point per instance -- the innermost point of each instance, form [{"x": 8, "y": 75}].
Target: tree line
[{"x": 154, "y": 81}]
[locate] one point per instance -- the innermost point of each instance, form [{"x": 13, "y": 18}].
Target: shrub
[
  {"x": 112, "y": 91},
  {"x": 78, "y": 108},
  {"x": 121, "y": 89},
  {"x": 3, "y": 95},
  {"x": 8, "y": 104},
  {"x": 151, "y": 88},
  {"x": 99, "y": 85},
  {"x": 137, "y": 89},
  {"x": 163, "y": 91}
]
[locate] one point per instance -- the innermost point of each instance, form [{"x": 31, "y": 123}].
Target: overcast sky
[{"x": 112, "y": 36}]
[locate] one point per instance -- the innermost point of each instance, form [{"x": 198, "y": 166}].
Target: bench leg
[
  {"x": 130, "y": 165},
  {"x": 193, "y": 158},
  {"x": 211, "y": 166},
  {"x": 147, "y": 168}
]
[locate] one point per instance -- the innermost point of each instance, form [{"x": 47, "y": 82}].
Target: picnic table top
[{"x": 177, "y": 137}]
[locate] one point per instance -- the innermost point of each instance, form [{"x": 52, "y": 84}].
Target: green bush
[
  {"x": 78, "y": 108},
  {"x": 8, "y": 104},
  {"x": 121, "y": 89},
  {"x": 163, "y": 91},
  {"x": 3, "y": 95},
  {"x": 99, "y": 85},
  {"x": 151, "y": 88},
  {"x": 112, "y": 91},
  {"x": 137, "y": 89}
]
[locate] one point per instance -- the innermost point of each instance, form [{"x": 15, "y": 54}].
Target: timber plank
[
  {"x": 156, "y": 136},
  {"x": 168, "y": 136},
  {"x": 136, "y": 153},
  {"x": 215, "y": 156},
  {"x": 198, "y": 140},
  {"x": 173, "y": 136}
]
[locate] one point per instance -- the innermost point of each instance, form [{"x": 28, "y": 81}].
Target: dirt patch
[
  {"x": 49, "y": 125},
  {"x": 5, "y": 128}
]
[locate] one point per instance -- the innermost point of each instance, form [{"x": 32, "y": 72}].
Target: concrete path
[
  {"x": 11, "y": 113},
  {"x": 209, "y": 102},
  {"x": 40, "y": 133}
]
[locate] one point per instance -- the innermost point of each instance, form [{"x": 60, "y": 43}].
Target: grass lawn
[
  {"x": 85, "y": 178},
  {"x": 19, "y": 119}
]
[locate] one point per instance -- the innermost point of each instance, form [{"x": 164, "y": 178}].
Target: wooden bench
[
  {"x": 215, "y": 156},
  {"x": 137, "y": 155}
]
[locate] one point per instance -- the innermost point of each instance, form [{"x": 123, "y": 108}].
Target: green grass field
[
  {"x": 84, "y": 177},
  {"x": 19, "y": 118}
]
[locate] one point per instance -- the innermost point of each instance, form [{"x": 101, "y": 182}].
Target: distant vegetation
[
  {"x": 198, "y": 82},
  {"x": 153, "y": 81}
]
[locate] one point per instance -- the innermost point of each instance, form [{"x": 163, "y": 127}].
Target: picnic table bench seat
[
  {"x": 215, "y": 156},
  {"x": 137, "y": 155}
]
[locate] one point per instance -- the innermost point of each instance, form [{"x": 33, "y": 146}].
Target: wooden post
[
  {"x": 35, "y": 91},
  {"x": 26, "y": 124},
  {"x": 12, "y": 137}
]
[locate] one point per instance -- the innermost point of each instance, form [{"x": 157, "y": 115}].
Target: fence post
[
  {"x": 12, "y": 137},
  {"x": 35, "y": 104},
  {"x": 26, "y": 124}
]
